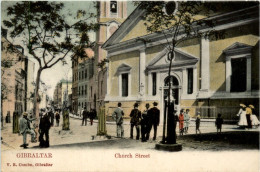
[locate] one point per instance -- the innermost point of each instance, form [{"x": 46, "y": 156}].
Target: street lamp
[{"x": 169, "y": 142}]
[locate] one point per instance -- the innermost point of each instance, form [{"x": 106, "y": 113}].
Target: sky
[{"x": 53, "y": 75}]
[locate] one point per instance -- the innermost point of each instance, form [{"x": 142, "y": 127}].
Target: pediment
[
  {"x": 123, "y": 68},
  {"x": 238, "y": 48},
  {"x": 181, "y": 59}
]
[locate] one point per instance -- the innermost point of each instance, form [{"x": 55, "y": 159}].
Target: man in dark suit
[
  {"x": 135, "y": 121},
  {"x": 44, "y": 127},
  {"x": 85, "y": 116},
  {"x": 155, "y": 120}
]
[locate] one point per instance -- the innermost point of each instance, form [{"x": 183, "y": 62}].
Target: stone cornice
[{"x": 224, "y": 21}]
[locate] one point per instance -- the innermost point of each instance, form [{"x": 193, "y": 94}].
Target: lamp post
[{"x": 169, "y": 141}]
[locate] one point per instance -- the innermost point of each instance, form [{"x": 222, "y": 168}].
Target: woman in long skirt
[
  {"x": 255, "y": 121},
  {"x": 242, "y": 114}
]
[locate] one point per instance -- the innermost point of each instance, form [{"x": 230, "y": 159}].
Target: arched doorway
[{"x": 175, "y": 87}]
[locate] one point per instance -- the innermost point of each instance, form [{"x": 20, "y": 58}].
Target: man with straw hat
[{"x": 25, "y": 129}]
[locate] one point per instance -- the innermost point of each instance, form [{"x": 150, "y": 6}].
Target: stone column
[
  {"x": 142, "y": 71},
  {"x": 205, "y": 73},
  {"x": 228, "y": 74}
]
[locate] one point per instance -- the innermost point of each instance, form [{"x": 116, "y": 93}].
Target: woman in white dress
[
  {"x": 255, "y": 121},
  {"x": 242, "y": 113}
]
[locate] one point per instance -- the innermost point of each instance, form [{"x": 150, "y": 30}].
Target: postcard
[{"x": 130, "y": 86}]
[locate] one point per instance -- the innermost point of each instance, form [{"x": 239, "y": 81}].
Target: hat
[
  {"x": 147, "y": 104},
  {"x": 251, "y": 106},
  {"x": 136, "y": 105},
  {"x": 198, "y": 112},
  {"x": 155, "y": 103},
  {"x": 242, "y": 105},
  {"x": 25, "y": 114}
]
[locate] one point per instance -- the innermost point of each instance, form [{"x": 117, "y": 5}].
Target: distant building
[{"x": 61, "y": 92}]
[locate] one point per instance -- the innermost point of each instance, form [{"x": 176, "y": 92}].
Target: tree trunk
[{"x": 36, "y": 93}]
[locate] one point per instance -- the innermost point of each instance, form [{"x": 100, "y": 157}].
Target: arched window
[{"x": 174, "y": 81}]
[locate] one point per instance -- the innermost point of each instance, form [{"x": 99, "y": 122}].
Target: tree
[
  {"x": 47, "y": 36},
  {"x": 180, "y": 21}
]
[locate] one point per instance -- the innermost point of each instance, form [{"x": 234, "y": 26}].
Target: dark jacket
[
  {"x": 85, "y": 114},
  {"x": 45, "y": 123},
  {"x": 155, "y": 114},
  {"x": 135, "y": 117},
  {"x": 219, "y": 122},
  {"x": 51, "y": 117}
]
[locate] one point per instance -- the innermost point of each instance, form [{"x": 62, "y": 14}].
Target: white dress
[
  {"x": 242, "y": 120},
  {"x": 254, "y": 119}
]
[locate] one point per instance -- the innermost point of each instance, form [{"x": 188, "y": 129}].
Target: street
[{"x": 85, "y": 136}]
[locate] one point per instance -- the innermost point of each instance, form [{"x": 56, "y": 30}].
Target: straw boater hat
[
  {"x": 242, "y": 105},
  {"x": 251, "y": 106}
]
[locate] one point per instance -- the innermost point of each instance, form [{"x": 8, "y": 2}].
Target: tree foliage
[
  {"x": 45, "y": 32},
  {"x": 47, "y": 35}
]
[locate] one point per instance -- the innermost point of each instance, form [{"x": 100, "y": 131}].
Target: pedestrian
[
  {"x": 118, "y": 117},
  {"x": 135, "y": 121},
  {"x": 198, "y": 123},
  {"x": 144, "y": 123},
  {"x": 218, "y": 123},
  {"x": 181, "y": 122},
  {"x": 57, "y": 116},
  {"x": 155, "y": 119},
  {"x": 92, "y": 115},
  {"x": 186, "y": 121},
  {"x": 44, "y": 128},
  {"x": 255, "y": 121},
  {"x": 242, "y": 116},
  {"x": 84, "y": 116},
  {"x": 24, "y": 129},
  {"x": 51, "y": 117},
  {"x": 248, "y": 117}
]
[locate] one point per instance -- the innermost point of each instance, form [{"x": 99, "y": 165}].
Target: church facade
[{"x": 208, "y": 75}]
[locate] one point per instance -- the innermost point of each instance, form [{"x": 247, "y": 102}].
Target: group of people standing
[
  {"x": 184, "y": 121},
  {"x": 247, "y": 116},
  {"x": 46, "y": 122},
  {"x": 148, "y": 119},
  {"x": 88, "y": 114}
]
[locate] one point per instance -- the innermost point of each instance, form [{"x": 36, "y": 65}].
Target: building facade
[
  {"x": 208, "y": 75},
  {"x": 13, "y": 81},
  {"x": 111, "y": 15}
]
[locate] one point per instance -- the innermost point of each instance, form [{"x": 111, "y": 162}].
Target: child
[
  {"x": 218, "y": 123},
  {"x": 198, "y": 123}
]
